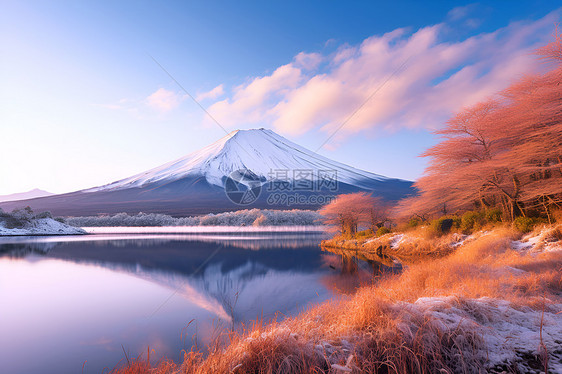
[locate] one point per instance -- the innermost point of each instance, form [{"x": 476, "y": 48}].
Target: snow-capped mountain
[
  {"x": 261, "y": 151},
  {"x": 236, "y": 172}
]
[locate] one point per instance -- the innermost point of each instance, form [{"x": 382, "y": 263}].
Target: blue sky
[{"x": 82, "y": 103}]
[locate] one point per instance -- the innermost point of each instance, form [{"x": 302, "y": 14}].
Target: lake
[{"x": 78, "y": 303}]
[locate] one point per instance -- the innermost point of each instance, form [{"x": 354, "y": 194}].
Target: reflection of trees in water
[
  {"x": 21, "y": 247},
  {"x": 21, "y": 250},
  {"x": 353, "y": 269},
  {"x": 250, "y": 242}
]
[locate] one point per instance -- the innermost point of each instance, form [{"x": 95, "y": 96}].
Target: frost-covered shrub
[
  {"x": 123, "y": 219},
  {"x": 187, "y": 221},
  {"x": 43, "y": 215},
  {"x": 23, "y": 218},
  {"x": 19, "y": 218}
]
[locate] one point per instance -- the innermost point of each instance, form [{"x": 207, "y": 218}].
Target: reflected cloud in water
[{"x": 251, "y": 241}]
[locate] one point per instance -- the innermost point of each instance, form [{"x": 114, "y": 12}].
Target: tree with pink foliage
[
  {"x": 505, "y": 152},
  {"x": 350, "y": 211}
]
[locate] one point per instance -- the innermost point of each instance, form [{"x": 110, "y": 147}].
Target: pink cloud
[
  {"x": 164, "y": 100},
  {"x": 439, "y": 79},
  {"x": 212, "y": 94},
  {"x": 250, "y": 100}
]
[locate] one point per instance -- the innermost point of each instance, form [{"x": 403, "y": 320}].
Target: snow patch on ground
[
  {"x": 544, "y": 239},
  {"x": 510, "y": 333},
  {"x": 459, "y": 239},
  {"x": 496, "y": 333},
  {"x": 42, "y": 226},
  {"x": 398, "y": 240}
]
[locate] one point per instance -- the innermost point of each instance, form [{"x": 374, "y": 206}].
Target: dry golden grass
[
  {"x": 141, "y": 366},
  {"x": 374, "y": 331}
]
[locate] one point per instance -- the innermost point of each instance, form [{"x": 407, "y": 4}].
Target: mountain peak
[
  {"x": 200, "y": 181},
  {"x": 261, "y": 151},
  {"x": 261, "y": 130}
]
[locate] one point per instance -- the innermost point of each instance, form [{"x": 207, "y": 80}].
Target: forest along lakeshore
[{"x": 479, "y": 251}]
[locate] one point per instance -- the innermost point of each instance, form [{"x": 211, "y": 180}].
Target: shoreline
[
  {"x": 402, "y": 247},
  {"x": 488, "y": 304},
  {"x": 176, "y": 230}
]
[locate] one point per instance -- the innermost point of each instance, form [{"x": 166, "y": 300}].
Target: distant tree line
[{"x": 249, "y": 217}]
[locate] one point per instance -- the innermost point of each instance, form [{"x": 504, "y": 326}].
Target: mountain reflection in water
[{"x": 104, "y": 291}]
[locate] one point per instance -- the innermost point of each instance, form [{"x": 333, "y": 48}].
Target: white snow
[
  {"x": 507, "y": 331},
  {"x": 398, "y": 240},
  {"x": 42, "y": 226},
  {"x": 539, "y": 240},
  {"x": 493, "y": 332},
  {"x": 259, "y": 150}
]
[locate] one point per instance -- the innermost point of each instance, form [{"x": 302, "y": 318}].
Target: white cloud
[{"x": 440, "y": 78}]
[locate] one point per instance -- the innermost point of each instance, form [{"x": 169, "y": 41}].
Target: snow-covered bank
[
  {"x": 471, "y": 335},
  {"x": 509, "y": 335},
  {"x": 25, "y": 222},
  {"x": 42, "y": 226}
]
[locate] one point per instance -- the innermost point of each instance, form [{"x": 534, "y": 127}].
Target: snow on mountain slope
[
  {"x": 259, "y": 150},
  {"x": 206, "y": 182}
]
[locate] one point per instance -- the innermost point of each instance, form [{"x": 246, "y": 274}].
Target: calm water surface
[
  {"x": 75, "y": 304},
  {"x": 69, "y": 304}
]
